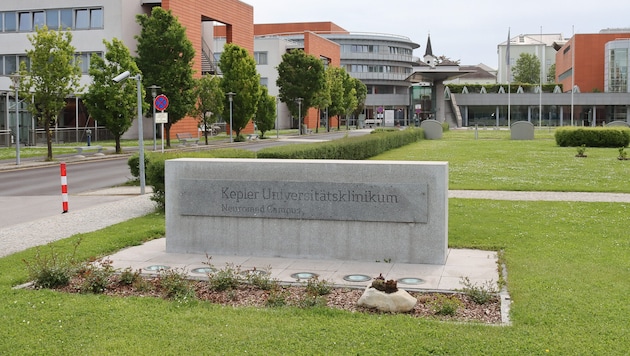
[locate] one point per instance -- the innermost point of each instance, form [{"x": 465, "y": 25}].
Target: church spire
[
  {"x": 429, "y": 50},
  {"x": 429, "y": 58}
]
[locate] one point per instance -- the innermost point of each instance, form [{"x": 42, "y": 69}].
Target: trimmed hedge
[
  {"x": 349, "y": 148},
  {"x": 592, "y": 137}
]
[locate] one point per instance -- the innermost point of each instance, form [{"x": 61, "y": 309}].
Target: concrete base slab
[{"x": 477, "y": 265}]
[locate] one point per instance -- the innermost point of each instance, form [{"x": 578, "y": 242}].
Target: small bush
[
  {"x": 53, "y": 270},
  {"x": 277, "y": 297},
  {"x": 176, "y": 284},
  {"x": 311, "y": 301},
  {"x": 128, "y": 276},
  {"x": 446, "y": 306},
  {"x": 134, "y": 164},
  {"x": 96, "y": 277},
  {"x": 581, "y": 150},
  {"x": 224, "y": 279},
  {"x": 480, "y": 294},
  {"x": 315, "y": 287},
  {"x": 261, "y": 278}
]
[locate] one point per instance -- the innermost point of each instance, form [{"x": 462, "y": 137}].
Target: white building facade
[{"x": 89, "y": 21}]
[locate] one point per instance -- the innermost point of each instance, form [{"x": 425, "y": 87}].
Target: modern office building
[
  {"x": 381, "y": 61},
  {"x": 268, "y": 51},
  {"x": 598, "y": 62}
]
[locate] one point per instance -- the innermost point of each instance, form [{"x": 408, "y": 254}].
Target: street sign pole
[{"x": 161, "y": 103}]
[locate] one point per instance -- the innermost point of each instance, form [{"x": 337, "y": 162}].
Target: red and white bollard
[{"x": 64, "y": 188}]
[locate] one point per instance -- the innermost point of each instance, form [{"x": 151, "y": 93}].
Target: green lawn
[
  {"x": 494, "y": 162},
  {"x": 568, "y": 267}
]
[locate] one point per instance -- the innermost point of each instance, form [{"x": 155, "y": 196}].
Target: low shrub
[
  {"x": 176, "y": 284},
  {"x": 128, "y": 276},
  {"x": 592, "y": 137},
  {"x": 261, "y": 278},
  {"x": 317, "y": 287},
  {"x": 277, "y": 297},
  {"x": 52, "y": 270},
  {"x": 226, "y": 278},
  {"x": 96, "y": 277},
  {"x": 480, "y": 294},
  {"x": 446, "y": 305}
]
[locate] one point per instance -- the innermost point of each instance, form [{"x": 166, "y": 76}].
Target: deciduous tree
[
  {"x": 527, "y": 69},
  {"x": 210, "y": 99},
  {"x": 114, "y": 105},
  {"x": 239, "y": 77},
  {"x": 300, "y": 75},
  {"x": 361, "y": 93},
  {"x": 165, "y": 56},
  {"x": 266, "y": 112},
  {"x": 335, "y": 77},
  {"x": 551, "y": 74},
  {"x": 53, "y": 76}
]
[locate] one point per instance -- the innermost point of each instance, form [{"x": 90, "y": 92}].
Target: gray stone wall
[{"x": 317, "y": 209}]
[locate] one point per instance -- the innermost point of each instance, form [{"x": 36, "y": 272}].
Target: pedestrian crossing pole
[{"x": 64, "y": 188}]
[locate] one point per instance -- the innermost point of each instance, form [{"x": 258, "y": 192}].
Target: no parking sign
[{"x": 161, "y": 102}]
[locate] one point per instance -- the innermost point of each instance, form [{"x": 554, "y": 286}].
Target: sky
[{"x": 465, "y": 30}]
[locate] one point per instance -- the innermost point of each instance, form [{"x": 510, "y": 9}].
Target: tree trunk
[
  {"x": 48, "y": 139},
  {"x": 167, "y": 133},
  {"x": 118, "y": 148}
]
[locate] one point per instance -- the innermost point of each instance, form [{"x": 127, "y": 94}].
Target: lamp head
[{"x": 122, "y": 76}]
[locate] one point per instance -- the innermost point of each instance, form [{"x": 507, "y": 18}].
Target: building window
[
  {"x": 52, "y": 19},
  {"x": 260, "y": 57},
  {"x": 26, "y": 22},
  {"x": 96, "y": 18},
  {"x": 10, "y": 64},
  {"x": 10, "y": 21},
  {"x": 39, "y": 19},
  {"x": 82, "y": 19},
  {"x": 264, "y": 82},
  {"x": 66, "y": 19},
  {"x": 618, "y": 70}
]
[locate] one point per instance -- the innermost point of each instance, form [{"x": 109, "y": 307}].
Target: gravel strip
[{"x": 42, "y": 231}]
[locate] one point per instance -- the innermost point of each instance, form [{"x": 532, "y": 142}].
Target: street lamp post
[
  {"x": 299, "y": 101},
  {"x": 120, "y": 77},
  {"x": 154, "y": 89},
  {"x": 277, "y": 117},
  {"x": 16, "y": 84},
  {"x": 231, "y": 99}
]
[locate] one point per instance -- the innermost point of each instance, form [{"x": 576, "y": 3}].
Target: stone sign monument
[{"x": 324, "y": 209}]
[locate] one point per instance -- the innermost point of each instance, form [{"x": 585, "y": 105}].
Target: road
[
  {"x": 82, "y": 176},
  {"x": 28, "y": 194}
]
